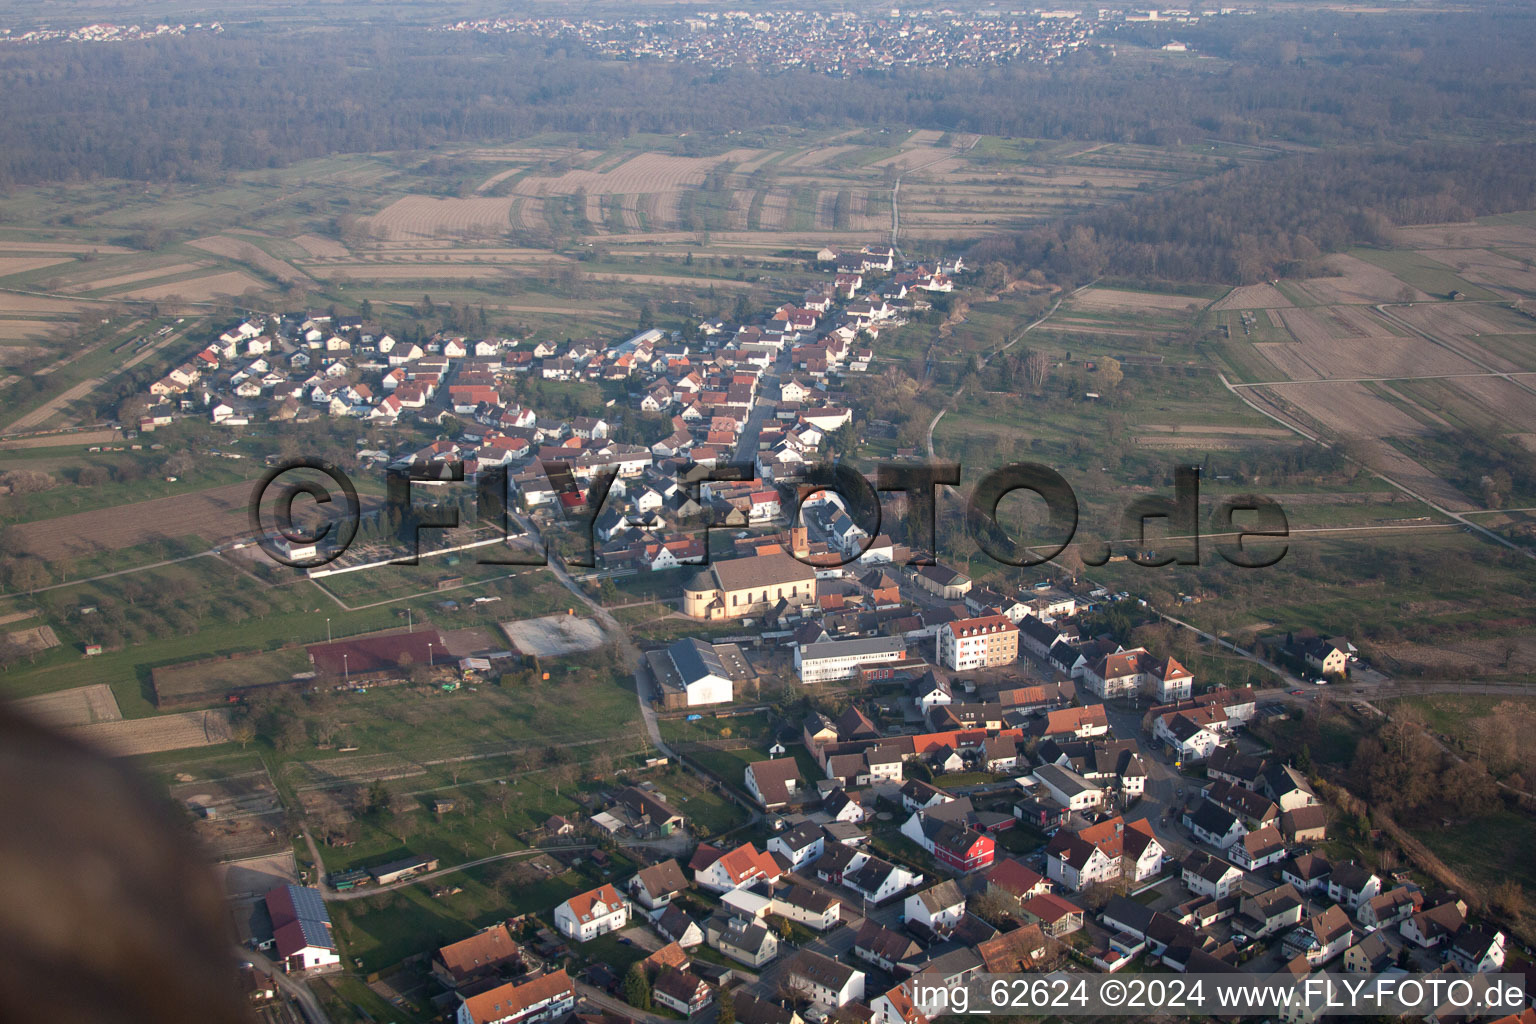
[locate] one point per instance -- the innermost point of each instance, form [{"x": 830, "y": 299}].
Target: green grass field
[
  {"x": 1421, "y": 272},
  {"x": 1487, "y": 850}
]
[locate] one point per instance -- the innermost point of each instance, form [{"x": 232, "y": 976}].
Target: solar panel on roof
[
  {"x": 316, "y": 933},
  {"x": 308, "y": 905},
  {"x": 695, "y": 660}
]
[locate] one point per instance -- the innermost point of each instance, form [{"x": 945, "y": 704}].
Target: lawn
[
  {"x": 1422, "y": 272},
  {"x": 1487, "y": 850},
  {"x": 384, "y": 929},
  {"x": 706, "y": 810}
]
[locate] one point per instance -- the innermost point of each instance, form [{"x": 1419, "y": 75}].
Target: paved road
[
  {"x": 296, "y": 989},
  {"x": 1161, "y": 795},
  {"x": 761, "y": 413},
  {"x": 1450, "y": 346},
  {"x": 1241, "y": 652},
  {"x": 834, "y": 943},
  {"x": 1366, "y": 380}
]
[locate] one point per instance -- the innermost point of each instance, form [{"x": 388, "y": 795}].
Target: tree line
[
  {"x": 1279, "y": 218},
  {"x": 195, "y": 108}
]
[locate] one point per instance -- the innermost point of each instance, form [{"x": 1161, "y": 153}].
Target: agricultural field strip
[
  {"x": 399, "y": 766},
  {"x": 1362, "y": 380}
]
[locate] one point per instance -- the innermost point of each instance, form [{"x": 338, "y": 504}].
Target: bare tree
[{"x": 1037, "y": 368}]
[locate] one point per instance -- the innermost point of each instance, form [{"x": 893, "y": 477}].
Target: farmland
[
  {"x": 212, "y": 516},
  {"x": 523, "y": 207}
]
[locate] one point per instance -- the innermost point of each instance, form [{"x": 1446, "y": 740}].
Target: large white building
[
  {"x": 692, "y": 672},
  {"x": 1124, "y": 673},
  {"x": 981, "y": 642},
  {"x": 593, "y": 913},
  {"x": 831, "y": 660}
]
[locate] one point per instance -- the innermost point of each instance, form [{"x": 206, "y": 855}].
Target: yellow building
[{"x": 749, "y": 586}]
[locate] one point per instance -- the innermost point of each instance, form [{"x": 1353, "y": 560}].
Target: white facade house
[
  {"x": 800, "y": 845},
  {"x": 545, "y": 998},
  {"x": 301, "y": 928},
  {"x": 826, "y": 982},
  {"x": 593, "y": 913},
  {"x": 938, "y": 909}
]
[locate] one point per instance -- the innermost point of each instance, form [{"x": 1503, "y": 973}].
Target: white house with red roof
[
  {"x": 592, "y": 913},
  {"x": 547, "y": 997},
  {"x": 741, "y": 866}
]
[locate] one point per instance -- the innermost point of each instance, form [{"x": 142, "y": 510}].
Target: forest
[
  {"x": 1278, "y": 218},
  {"x": 261, "y": 96}
]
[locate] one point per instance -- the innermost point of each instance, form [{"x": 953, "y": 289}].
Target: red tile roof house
[
  {"x": 593, "y": 913},
  {"x": 544, "y": 998},
  {"x": 478, "y": 956},
  {"x": 739, "y": 867}
]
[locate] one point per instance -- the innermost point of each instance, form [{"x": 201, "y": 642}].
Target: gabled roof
[
  {"x": 855, "y": 724},
  {"x": 1474, "y": 943},
  {"x": 1329, "y": 925},
  {"x": 885, "y": 943},
  {"x": 1072, "y": 851},
  {"x": 821, "y": 970},
  {"x": 750, "y": 1009},
  {"x": 664, "y": 877},
  {"x": 583, "y": 905},
  {"x": 680, "y": 985},
  {"x": 746, "y": 861},
  {"x": 673, "y": 923},
  {"x": 1013, "y": 876},
  {"x": 802, "y": 835},
  {"x": 299, "y": 919},
  {"x": 478, "y": 952},
  {"x": 1307, "y": 866},
  {"x": 1203, "y": 865},
  {"x": 1263, "y": 842},
  {"x": 1278, "y": 900},
  {"x": 1012, "y": 952},
  {"x": 512, "y": 1000},
  {"x": 1350, "y": 877},
  {"x": 941, "y": 897},
  {"x": 670, "y": 955},
  {"x": 1214, "y": 818},
  {"x": 773, "y": 778},
  {"x": 804, "y": 897},
  {"x": 902, "y": 1005},
  {"x": 1050, "y": 908},
  {"x": 1072, "y": 719}
]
